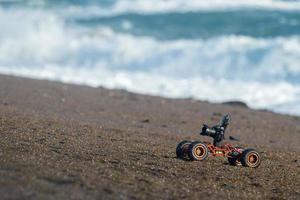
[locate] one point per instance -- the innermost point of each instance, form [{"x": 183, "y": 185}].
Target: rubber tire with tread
[
  {"x": 245, "y": 155},
  {"x": 192, "y": 147},
  {"x": 233, "y": 161},
  {"x": 179, "y": 148}
]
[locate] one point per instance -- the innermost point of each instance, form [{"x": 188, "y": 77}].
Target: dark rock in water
[
  {"x": 236, "y": 103},
  {"x": 233, "y": 138}
]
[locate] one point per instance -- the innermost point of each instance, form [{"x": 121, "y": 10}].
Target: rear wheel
[
  {"x": 198, "y": 151},
  {"x": 250, "y": 158},
  {"x": 182, "y": 149}
]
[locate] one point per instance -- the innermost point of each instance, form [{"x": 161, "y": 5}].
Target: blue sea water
[{"x": 209, "y": 50}]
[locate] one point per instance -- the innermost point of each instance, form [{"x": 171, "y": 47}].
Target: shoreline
[
  {"x": 230, "y": 102},
  {"x": 70, "y": 141}
]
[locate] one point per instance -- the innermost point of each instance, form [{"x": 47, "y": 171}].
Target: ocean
[{"x": 214, "y": 50}]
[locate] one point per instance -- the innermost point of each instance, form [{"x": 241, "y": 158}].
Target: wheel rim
[
  {"x": 199, "y": 151},
  {"x": 253, "y": 159}
]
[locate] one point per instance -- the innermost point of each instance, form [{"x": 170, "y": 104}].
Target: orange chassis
[{"x": 226, "y": 150}]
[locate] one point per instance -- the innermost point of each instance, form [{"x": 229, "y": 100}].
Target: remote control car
[{"x": 199, "y": 151}]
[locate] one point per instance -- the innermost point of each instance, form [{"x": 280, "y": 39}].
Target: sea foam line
[
  {"x": 169, "y": 6},
  {"x": 280, "y": 96}
]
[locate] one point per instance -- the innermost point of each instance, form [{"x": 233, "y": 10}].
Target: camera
[{"x": 216, "y": 132}]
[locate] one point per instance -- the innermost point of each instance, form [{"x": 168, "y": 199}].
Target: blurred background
[{"x": 216, "y": 50}]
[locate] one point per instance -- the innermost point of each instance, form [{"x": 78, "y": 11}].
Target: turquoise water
[
  {"x": 209, "y": 50},
  {"x": 192, "y": 25}
]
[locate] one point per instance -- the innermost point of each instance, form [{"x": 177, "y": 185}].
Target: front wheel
[
  {"x": 250, "y": 158},
  {"x": 198, "y": 151}
]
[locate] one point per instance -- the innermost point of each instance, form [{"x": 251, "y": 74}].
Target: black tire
[
  {"x": 198, "y": 151},
  {"x": 234, "y": 161},
  {"x": 181, "y": 148},
  {"x": 250, "y": 158}
]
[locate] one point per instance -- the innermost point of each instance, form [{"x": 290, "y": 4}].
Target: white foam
[
  {"x": 166, "y": 6},
  {"x": 192, "y": 5}
]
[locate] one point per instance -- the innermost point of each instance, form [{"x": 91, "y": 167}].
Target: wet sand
[{"x": 60, "y": 141}]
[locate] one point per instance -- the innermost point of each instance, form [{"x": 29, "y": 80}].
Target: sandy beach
[{"x": 61, "y": 141}]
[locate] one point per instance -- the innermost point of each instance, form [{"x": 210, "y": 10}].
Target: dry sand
[{"x": 61, "y": 141}]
